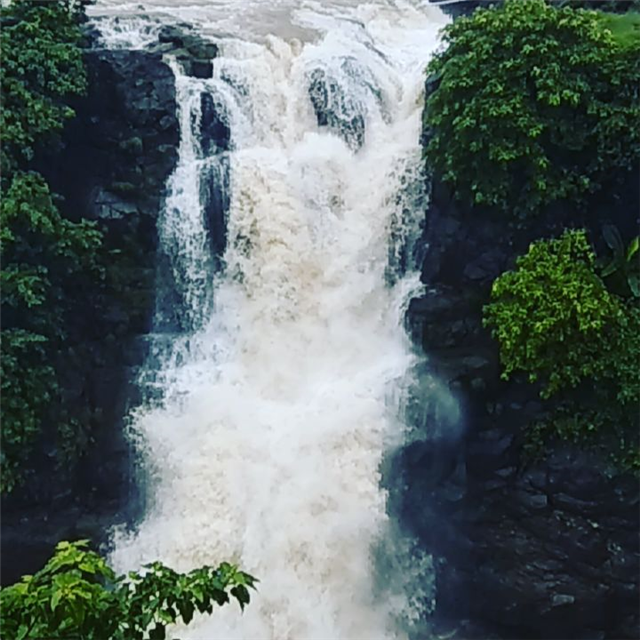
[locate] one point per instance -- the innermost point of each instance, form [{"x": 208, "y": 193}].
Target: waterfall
[{"x": 278, "y": 347}]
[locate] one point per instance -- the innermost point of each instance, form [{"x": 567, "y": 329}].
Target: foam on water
[{"x": 274, "y": 395}]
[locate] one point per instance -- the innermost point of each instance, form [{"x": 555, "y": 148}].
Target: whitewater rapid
[{"x": 275, "y": 394}]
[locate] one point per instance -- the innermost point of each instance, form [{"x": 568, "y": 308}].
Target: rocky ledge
[
  {"x": 526, "y": 549},
  {"x": 116, "y": 156}
]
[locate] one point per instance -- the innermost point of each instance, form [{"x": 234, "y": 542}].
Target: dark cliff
[
  {"x": 111, "y": 166},
  {"x": 116, "y": 156},
  {"x": 544, "y": 548}
]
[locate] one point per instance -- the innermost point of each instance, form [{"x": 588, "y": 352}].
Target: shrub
[
  {"x": 534, "y": 104},
  {"x": 625, "y": 27},
  {"x": 551, "y": 315},
  {"x": 77, "y": 595},
  {"x": 616, "y": 6},
  {"x": 40, "y": 250},
  {"x": 41, "y": 69},
  {"x": 621, "y": 353},
  {"x": 555, "y": 320}
]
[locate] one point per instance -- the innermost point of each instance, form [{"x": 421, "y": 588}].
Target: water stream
[{"x": 278, "y": 351}]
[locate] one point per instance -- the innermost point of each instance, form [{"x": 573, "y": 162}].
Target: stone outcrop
[
  {"x": 335, "y": 109},
  {"x": 214, "y": 134},
  {"x": 116, "y": 156},
  {"x": 526, "y": 548},
  {"x": 193, "y": 52}
]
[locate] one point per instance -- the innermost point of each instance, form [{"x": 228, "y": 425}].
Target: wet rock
[
  {"x": 526, "y": 548},
  {"x": 108, "y": 206},
  {"x": 194, "y": 52},
  {"x": 215, "y": 191},
  {"x": 116, "y": 157},
  {"x": 182, "y": 37},
  {"x": 215, "y": 133},
  {"x": 334, "y": 109},
  {"x": 196, "y": 67}
]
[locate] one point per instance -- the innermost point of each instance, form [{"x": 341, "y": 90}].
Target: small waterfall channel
[{"x": 275, "y": 378}]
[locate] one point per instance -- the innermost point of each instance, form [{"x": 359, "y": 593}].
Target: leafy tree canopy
[
  {"x": 41, "y": 69},
  {"x": 616, "y": 6},
  {"x": 78, "y": 595},
  {"x": 549, "y": 314},
  {"x": 534, "y": 104}
]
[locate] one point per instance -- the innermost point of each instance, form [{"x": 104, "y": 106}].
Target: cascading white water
[{"x": 277, "y": 391}]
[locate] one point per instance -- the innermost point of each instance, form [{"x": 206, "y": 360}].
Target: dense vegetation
[
  {"x": 46, "y": 258},
  {"x": 556, "y": 321},
  {"x": 615, "y": 6},
  {"x": 534, "y": 104},
  {"x": 41, "y": 251},
  {"x": 77, "y": 595},
  {"x": 553, "y": 314}
]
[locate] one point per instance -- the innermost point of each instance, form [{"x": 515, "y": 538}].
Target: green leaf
[
  {"x": 634, "y": 284},
  {"x": 186, "y": 610},
  {"x": 613, "y": 239},
  {"x": 158, "y": 632},
  {"x": 611, "y": 268},
  {"x": 241, "y": 593},
  {"x": 632, "y": 249}
]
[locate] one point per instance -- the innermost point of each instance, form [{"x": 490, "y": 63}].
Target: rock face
[
  {"x": 335, "y": 109},
  {"x": 214, "y": 134},
  {"x": 117, "y": 155},
  {"x": 194, "y": 53},
  {"x": 546, "y": 549}
]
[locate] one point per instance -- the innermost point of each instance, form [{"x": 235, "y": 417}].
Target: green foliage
[
  {"x": 42, "y": 252},
  {"x": 622, "y": 270},
  {"x": 616, "y": 6},
  {"x": 625, "y": 28},
  {"x": 550, "y": 314},
  {"x": 77, "y": 595},
  {"x": 534, "y": 104},
  {"x": 41, "y": 69},
  {"x": 621, "y": 354},
  {"x": 556, "y": 321},
  {"x": 605, "y": 430},
  {"x": 26, "y": 386}
]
